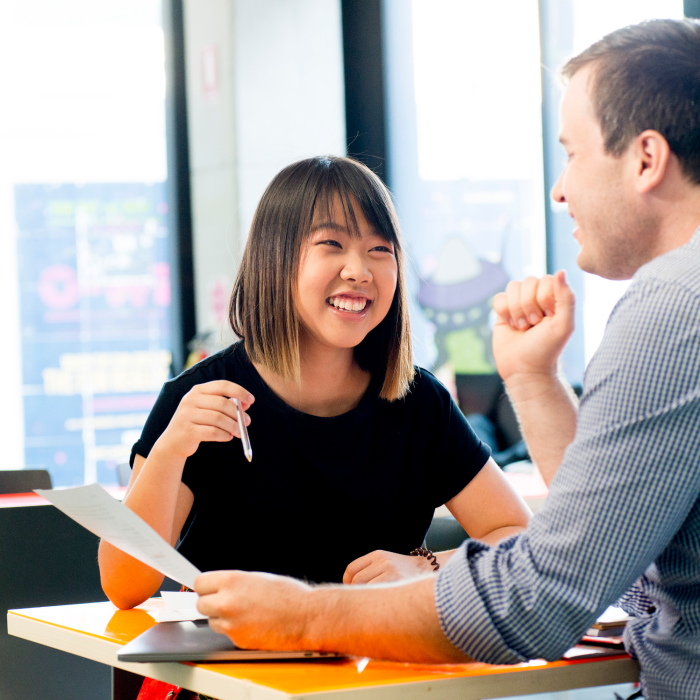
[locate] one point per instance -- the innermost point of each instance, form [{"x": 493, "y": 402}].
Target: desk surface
[
  {"x": 530, "y": 486},
  {"x": 17, "y": 500},
  {"x": 97, "y": 630}
]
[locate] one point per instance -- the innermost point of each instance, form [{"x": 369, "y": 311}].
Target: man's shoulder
[
  {"x": 677, "y": 270},
  {"x": 664, "y": 292},
  {"x": 651, "y": 338}
]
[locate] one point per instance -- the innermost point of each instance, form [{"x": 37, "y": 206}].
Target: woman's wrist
[
  {"x": 444, "y": 557},
  {"x": 163, "y": 452}
]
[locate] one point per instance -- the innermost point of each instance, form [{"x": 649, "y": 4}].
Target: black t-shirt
[{"x": 320, "y": 492}]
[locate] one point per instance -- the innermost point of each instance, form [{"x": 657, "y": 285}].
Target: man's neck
[{"x": 680, "y": 215}]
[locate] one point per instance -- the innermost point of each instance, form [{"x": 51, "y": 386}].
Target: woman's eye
[
  {"x": 383, "y": 249},
  {"x": 330, "y": 242}
]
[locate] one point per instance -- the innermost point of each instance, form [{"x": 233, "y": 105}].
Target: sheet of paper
[
  {"x": 94, "y": 509},
  {"x": 613, "y": 614},
  {"x": 179, "y": 607}
]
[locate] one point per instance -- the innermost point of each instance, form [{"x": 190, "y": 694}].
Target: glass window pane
[
  {"x": 82, "y": 190},
  {"x": 590, "y": 21},
  {"x": 465, "y": 159}
]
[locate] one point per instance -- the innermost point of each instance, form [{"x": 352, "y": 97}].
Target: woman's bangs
[{"x": 350, "y": 188}]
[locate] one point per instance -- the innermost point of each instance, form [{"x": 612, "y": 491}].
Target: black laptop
[{"x": 196, "y": 641}]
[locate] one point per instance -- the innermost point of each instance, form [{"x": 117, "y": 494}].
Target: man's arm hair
[{"x": 546, "y": 410}]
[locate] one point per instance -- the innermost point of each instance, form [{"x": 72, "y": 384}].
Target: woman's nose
[{"x": 356, "y": 270}]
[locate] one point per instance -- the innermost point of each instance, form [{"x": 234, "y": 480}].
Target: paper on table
[
  {"x": 179, "y": 607},
  {"x": 97, "y": 511}
]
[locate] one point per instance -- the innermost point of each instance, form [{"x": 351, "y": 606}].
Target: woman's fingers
[
  {"x": 354, "y": 567},
  {"x": 369, "y": 573},
  {"x": 218, "y": 403},
  {"x": 227, "y": 390}
]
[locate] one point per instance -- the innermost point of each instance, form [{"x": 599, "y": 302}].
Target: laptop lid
[{"x": 196, "y": 641}]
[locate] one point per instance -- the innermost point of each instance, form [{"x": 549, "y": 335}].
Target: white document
[
  {"x": 179, "y": 607},
  {"x": 94, "y": 509}
]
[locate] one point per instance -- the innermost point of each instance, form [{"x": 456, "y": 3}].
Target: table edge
[{"x": 225, "y": 687}]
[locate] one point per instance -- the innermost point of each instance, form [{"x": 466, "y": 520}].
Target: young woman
[{"x": 353, "y": 447}]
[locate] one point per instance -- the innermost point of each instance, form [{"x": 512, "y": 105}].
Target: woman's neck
[{"x": 332, "y": 383}]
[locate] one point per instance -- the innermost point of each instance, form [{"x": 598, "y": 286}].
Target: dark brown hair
[
  {"x": 647, "y": 76},
  {"x": 262, "y": 310}
]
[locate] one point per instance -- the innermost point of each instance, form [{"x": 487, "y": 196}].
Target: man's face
[{"x": 615, "y": 234}]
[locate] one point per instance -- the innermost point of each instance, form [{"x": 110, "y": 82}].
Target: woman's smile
[{"x": 349, "y": 303}]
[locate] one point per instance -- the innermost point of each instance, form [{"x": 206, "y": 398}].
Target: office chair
[{"x": 24, "y": 480}]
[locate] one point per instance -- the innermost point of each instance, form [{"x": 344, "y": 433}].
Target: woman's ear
[{"x": 651, "y": 155}]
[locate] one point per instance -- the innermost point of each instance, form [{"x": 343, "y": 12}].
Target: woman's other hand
[
  {"x": 205, "y": 414},
  {"x": 382, "y": 567}
]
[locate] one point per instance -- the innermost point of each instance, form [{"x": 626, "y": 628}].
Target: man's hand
[
  {"x": 386, "y": 621},
  {"x": 382, "y": 567},
  {"x": 535, "y": 321},
  {"x": 255, "y": 610}
]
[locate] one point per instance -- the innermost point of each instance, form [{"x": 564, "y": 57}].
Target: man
[{"x": 623, "y": 513}]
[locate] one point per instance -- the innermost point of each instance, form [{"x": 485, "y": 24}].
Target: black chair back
[{"x": 24, "y": 480}]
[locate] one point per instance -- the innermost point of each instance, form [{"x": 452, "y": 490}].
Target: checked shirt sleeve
[{"x": 620, "y": 497}]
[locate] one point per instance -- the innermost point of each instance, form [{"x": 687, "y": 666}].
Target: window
[
  {"x": 465, "y": 164},
  {"x": 82, "y": 189},
  {"x": 571, "y": 26},
  {"x": 473, "y": 152}
]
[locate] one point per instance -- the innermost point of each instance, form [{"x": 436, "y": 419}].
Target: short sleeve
[
  {"x": 162, "y": 412},
  {"x": 460, "y": 455}
]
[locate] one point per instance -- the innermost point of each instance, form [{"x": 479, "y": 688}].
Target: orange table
[{"x": 97, "y": 630}]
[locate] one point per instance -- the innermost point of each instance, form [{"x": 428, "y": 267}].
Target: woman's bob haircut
[{"x": 262, "y": 310}]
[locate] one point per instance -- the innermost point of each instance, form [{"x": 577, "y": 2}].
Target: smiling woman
[
  {"x": 329, "y": 222},
  {"x": 354, "y": 446}
]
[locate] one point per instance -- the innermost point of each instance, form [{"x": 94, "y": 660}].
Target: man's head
[{"x": 631, "y": 128}]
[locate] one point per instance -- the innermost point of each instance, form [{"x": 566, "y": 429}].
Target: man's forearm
[
  {"x": 547, "y": 410},
  {"x": 392, "y": 621}
]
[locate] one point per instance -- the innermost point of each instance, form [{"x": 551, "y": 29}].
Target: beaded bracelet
[{"x": 423, "y": 552}]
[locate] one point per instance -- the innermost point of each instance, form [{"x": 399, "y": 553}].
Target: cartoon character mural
[{"x": 457, "y": 300}]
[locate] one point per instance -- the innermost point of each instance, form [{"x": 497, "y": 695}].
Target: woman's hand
[
  {"x": 205, "y": 414},
  {"x": 380, "y": 566}
]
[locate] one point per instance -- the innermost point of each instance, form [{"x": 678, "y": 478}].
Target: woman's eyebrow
[{"x": 328, "y": 225}]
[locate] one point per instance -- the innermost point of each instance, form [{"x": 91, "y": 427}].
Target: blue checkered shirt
[{"x": 622, "y": 518}]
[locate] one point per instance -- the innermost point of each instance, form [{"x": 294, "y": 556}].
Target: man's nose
[{"x": 557, "y": 193}]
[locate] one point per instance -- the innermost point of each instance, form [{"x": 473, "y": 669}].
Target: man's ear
[{"x": 650, "y": 155}]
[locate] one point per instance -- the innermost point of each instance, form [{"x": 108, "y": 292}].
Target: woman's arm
[
  {"x": 156, "y": 492},
  {"x": 164, "y": 503},
  {"x": 488, "y": 508}
]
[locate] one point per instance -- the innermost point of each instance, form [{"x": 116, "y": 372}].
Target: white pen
[{"x": 247, "y": 449}]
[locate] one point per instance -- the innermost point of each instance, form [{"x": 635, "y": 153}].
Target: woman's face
[{"x": 346, "y": 284}]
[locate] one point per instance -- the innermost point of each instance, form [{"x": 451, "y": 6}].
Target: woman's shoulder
[
  {"x": 427, "y": 390},
  {"x": 225, "y": 364}
]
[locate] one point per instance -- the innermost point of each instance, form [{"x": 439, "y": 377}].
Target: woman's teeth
[{"x": 347, "y": 304}]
